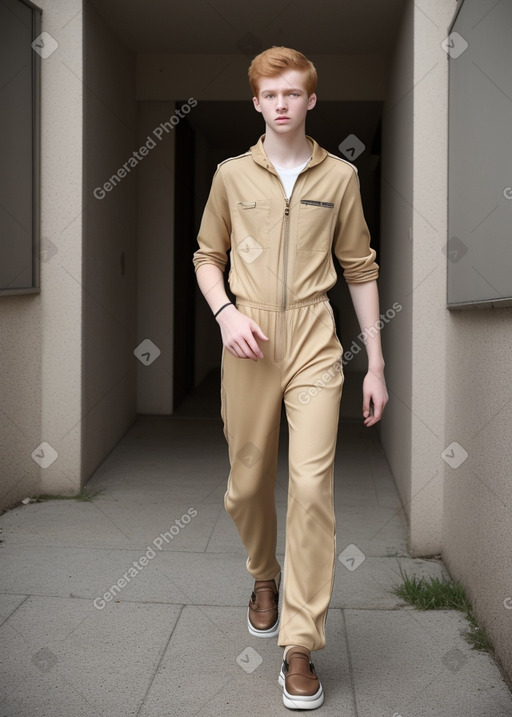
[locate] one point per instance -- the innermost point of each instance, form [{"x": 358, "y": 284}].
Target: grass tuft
[
  {"x": 84, "y": 495},
  {"x": 436, "y": 594}
]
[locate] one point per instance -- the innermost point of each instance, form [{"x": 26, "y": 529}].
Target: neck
[{"x": 287, "y": 150}]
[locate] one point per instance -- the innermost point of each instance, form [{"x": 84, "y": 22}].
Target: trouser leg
[
  {"x": 312, "y": 400},
  {"x": 251, "y": 410}
]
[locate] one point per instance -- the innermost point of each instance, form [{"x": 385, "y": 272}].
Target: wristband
[{"x": 230, "y": 303}]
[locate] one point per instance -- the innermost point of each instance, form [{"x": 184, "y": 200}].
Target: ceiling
[{"x": 230, "y": 26}]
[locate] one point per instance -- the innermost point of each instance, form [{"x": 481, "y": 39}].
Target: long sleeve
[
  {"x": 214, "y": 236},
  {"x": 352, "y": 238}
]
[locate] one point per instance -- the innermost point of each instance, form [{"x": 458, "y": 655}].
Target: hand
[
  {"x": 239, "y": 334},
  {"x": 375, "y": 397}
]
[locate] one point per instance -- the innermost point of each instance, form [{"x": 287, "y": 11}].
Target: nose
[{"x": 281, "y": 102}]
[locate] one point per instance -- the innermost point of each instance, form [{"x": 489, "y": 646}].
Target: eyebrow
[{"x": 289, "y": 89}]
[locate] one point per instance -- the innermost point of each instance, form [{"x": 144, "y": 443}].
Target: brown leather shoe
[
  {"x": 302, "y": 689},
  {"x": 262, "y": 615}
]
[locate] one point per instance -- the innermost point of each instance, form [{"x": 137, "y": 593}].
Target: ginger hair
[{"x": 275, "y": 61}]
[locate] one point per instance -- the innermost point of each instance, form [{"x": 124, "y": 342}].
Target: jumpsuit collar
[{"x": 318, "y": 154}]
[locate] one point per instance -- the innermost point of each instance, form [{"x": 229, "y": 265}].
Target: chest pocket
[
  {"x": 315, "y": 225},
  {"x": 252, "y": 219}
]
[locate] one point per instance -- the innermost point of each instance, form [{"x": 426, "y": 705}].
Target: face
[{"x": 284, "y": 102}]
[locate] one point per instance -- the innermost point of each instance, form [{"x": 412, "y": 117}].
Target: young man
[{"x": 282, "y": 209}]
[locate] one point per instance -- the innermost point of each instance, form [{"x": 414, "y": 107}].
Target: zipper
[
  {"x": 286, "y": 234},
  {"x": 281, "y": 319},
  {"x": 280, "y": 339},
  {"x": 285, "y": 250}
]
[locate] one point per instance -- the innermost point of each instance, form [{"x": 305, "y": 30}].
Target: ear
[
  {"x": 256, "y": 103},
  {"x": 312, "y": 101}
]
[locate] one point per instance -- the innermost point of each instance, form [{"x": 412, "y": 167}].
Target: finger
[
  {"x": 233, "y": 350},
  {"x": 259, "y": 333},
  {"x": 366, "y": 405},
  {"x": 376, "y": 415},
  {"x": 245, "y": 351},
  {"x": 378, "y": 410},
  {"x": 253, "y": 355},
  {"x": 238, "y": 348},
  {"x": 371, "y": 419},
  {"x": 251, "y": 345}
]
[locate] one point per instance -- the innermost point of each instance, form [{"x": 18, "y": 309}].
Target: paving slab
[
  {"x": 168, "y": 577},
  {"x": 376, "y": 530},
  {"x": 373, "y": 486},
  {"x": 235, "y": 673},
  {"x": 110, "y": 523},
  {"x": 62, "y": 657},
  {"x": 8, "y": 604},
  {"x": 412, "y": 663},
  {"x": 370, "y": 585}
]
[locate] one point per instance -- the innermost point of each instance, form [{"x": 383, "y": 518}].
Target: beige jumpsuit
[{"x": 281, "y": 267}]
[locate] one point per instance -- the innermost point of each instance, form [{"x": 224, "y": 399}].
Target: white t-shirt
[{"x": 289, "y": 176}]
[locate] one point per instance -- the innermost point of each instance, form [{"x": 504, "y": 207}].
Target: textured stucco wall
[
  {"x": 110, "y": 242},
  {"x": 448, "y": 372},
  {"x": 41, "y": 334},
  {"x": 477, "y": 526},
  {"x": 429, "y": 235},
  {"x": 395, "y": 283},
  {"x": 414, "y": 267}
]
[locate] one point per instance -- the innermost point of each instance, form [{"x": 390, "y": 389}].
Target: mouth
[{"x": 282, "y": 119}]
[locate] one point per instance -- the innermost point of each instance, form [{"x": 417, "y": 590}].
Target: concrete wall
[
  {"x": 429, "y": 235},
  {"x": 477, "y": 529},
  {"x": 477, "y": 526},
  {"x": 448, "y": 372},
  {"x": 110, "y": 234},
  {"x": 41, "y": 347},
  {"x": 414, "y": 204},
  {"x": 71, "y": 380},
  {"x": 395, "y": 282}
]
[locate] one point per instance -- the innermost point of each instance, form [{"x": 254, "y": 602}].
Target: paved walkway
[{"x": 171, "y": 638}]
